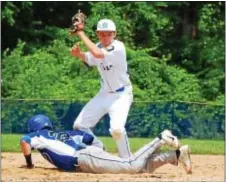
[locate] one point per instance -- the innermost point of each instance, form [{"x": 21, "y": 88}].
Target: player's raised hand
[
  {"x": 78, "y": 23},
  {"x": 76, "y": 50},
  {"x": 79, "y": 26}
]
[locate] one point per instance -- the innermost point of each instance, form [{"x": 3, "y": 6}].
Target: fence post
[{"x": 173, "y": 114}]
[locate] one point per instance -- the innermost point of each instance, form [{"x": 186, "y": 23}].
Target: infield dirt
[{"x": 205, "y": 168}]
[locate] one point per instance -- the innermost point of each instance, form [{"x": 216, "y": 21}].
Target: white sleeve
[
  {"x": 90, "y": 59},
  {"x": 33, "y": 140},
  {"x": 36, "y": 143}
]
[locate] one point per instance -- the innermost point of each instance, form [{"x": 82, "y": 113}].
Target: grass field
[{"x": 10, "y": 143}]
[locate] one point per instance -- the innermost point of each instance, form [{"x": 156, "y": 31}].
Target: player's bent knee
[
  {"x": 76, "y": 126},
  {"x": 116, "y": 133}
]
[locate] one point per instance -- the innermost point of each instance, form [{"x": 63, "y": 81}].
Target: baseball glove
[{"x": 78, "y": 21}]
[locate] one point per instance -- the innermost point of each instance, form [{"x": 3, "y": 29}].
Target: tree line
[{"x": 175, "y": 50}]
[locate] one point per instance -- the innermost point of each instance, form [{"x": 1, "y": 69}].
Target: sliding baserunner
[{"x": 69, "y": 150}]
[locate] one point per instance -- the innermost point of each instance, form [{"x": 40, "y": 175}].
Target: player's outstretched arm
[{"x": 26, "y": 150}]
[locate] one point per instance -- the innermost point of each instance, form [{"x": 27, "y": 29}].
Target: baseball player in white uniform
[
  {"x": 115, "y": 96},
  {"x": 69, "y": 150}
]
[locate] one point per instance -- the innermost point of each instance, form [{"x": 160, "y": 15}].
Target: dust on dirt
[{"x": 205, "y": 168}]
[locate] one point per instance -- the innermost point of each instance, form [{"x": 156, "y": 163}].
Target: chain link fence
[{"x": 146, "y": 119}]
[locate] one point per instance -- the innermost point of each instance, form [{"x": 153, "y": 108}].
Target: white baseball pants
[{"x": 117, "y": 105}]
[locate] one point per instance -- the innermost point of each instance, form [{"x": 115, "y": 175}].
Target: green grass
[{"x": 10, "y": 143}]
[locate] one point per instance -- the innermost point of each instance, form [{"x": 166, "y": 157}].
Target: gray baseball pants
[{"x": 96, "y": 160}]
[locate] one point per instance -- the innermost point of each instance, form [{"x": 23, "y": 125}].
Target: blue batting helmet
[{"x": 39, "y": 122}]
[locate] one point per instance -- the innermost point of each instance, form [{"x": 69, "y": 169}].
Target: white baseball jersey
[
  {"x": 59, "y": 147},
  {"x": 113, "y": 67},
  {"x": 114, "y": 98}
]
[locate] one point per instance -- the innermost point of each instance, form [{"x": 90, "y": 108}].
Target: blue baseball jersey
[{"x": 59, "y": 147}]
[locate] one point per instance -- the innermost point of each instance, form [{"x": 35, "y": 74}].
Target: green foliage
[
  {"x": 109, "y": 10},
  {"x": 206, "y": 54},
  {"x": 47, "y": 73},
  {"x": 10, "y": 10},
  {"x": 220, "y": 99},
  {"x": 161, "y": 81},
  {"x": 51, "y": 72},
  {"x": 148, "y": 22}
]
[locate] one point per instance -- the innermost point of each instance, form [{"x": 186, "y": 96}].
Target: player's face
[{"x": 105, "y": 38}]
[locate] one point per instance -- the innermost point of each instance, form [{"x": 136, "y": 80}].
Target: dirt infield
[{"x": 205, "y": 168}]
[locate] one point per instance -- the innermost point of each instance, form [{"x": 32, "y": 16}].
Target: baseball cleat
[
  {"x": 185, "y": 159},
  {"x": 170, "y": 139}
]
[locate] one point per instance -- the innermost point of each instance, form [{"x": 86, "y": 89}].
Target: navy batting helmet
[{"x": 39, "y": 122}]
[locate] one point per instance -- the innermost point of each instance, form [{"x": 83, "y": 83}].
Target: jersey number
[
  {"x": 106, "y": 68},
  {"x": 62, "y": 136}
]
